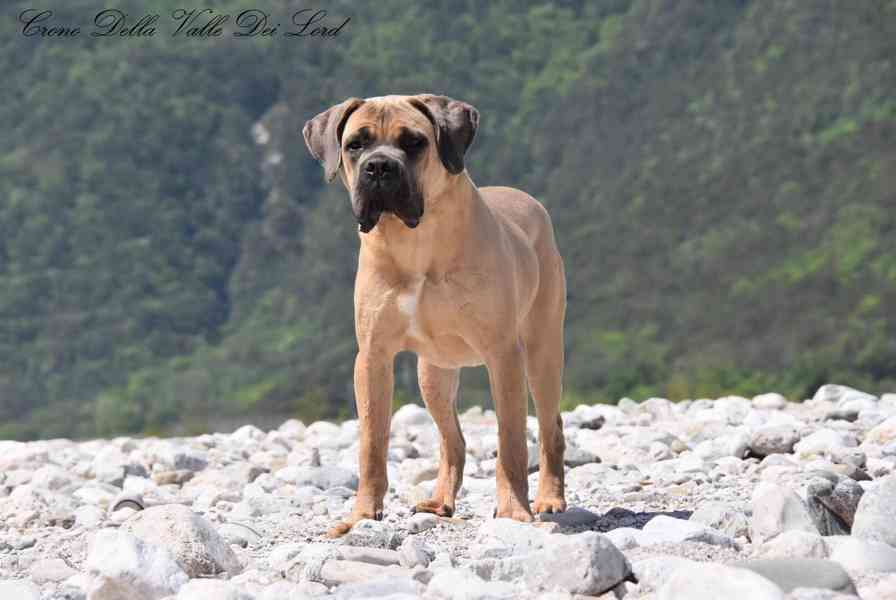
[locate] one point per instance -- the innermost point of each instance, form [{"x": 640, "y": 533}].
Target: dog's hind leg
[{"x": 439, "y": 390}]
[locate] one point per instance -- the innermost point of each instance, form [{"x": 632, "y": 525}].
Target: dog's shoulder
[{"x": 519, "y": 208}]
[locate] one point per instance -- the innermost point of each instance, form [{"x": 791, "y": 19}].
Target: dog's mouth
[{"x": 372, "y": 206}]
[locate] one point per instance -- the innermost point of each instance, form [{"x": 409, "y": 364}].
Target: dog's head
[{"x": 392, "y": 152}]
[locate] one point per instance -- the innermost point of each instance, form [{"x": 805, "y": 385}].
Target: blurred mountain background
[{"x": 721, "y": 176}]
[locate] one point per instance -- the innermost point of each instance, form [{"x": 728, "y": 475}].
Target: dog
[{"x": 461, "y": 276}]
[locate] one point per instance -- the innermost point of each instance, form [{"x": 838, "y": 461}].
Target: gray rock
[
  {"x": 839, "y": 495},
  {"x": 239, "y": 534},
  {"x": 585, "y": 563},
  {"x": 372, "y": 534},
  {"x": 793, "y": 544},
  {"x": 413, "y": 552},
  {"x": 770, "y": 401},
  {"x": 392, "y": 588},
  {"x": 88, "y": 516},
  {"x": 707, "y": 581},
  {"x": 734, "y": 443},
  {"x": 410, "y": 415},
  {"x": 50, "y": 570},
  {"x": 326, "y": 477},
  {"x": 883, "y": 433},
  {"x": 773, "y": 439},
  {"x": 501, "y": 538},
  {"x": 817, "y": 594},
  {"x": 668, "y": 530},
  {"x": 293, "y": 428},
  {"x": 624, "y": 538},
  {"x": 211, "y": 589},
  {"x": 459, "y": 584},
  {"x": 862, "y": 555},
  {"x": 574, "y": 516},
  {"x": 287, "y": 590},
  {"x": 792, "y": 573},
  {"x": 194, "y": 542},
  {"x": 844, "y": 397},
  {"x": 421, "y": 522},
  {"x": 776, "y": 509},
  {"x": 123, "y": 567},
  {"x": 653, "y": 572},
  {"x": 722, "y": 517},
  {"x": 874, "y": 519},
  {"x": 18, "y": 590},
  {"x": 824, "y": 441}
]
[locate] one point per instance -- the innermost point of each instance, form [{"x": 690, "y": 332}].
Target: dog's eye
[
  {"x": 354, "y": 146},
  {"x": 413, "y": 143}
]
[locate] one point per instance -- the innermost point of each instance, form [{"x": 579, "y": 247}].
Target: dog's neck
[{"x": 448, "y": 217}]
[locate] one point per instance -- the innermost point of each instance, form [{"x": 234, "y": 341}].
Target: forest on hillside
[{"x": 721, "y": 176}]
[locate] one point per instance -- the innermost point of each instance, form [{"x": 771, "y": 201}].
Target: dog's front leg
[
  {"x": 507, "y": 379},
  {"x": 373, "y": 397}
]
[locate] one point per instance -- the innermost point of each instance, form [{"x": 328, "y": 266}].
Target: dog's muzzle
[{"x": 384, "y": 186}]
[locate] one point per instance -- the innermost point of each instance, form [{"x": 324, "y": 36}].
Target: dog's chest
[
  {"x": 433, "y": 309},
  {"x": 409, "y": 306}
]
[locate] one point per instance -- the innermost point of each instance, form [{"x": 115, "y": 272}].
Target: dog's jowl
[{"x": 459, "y": 275}]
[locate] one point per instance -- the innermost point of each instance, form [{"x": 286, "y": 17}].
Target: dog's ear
[
  {"x": 455, "y": 123},
  {"x": 323, "y": 135}
]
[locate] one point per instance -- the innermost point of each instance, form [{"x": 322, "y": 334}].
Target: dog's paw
[
  {"x": 339, "y": 530},
  {"x": 517, "y": 514},
  {"x": 435, "y": 507},
  {"x": 549, "y": 505}
]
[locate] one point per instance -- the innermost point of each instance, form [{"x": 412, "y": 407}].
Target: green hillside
[{"x": 721, "y": 175}]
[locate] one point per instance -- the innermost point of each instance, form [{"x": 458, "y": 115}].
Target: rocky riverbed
[{"x": 728, "y": 498}]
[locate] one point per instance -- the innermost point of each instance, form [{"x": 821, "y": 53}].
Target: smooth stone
[
  {"x": 460, "y": 584},
  {"x": 123, "y": 567},
  {"x": 192, "y": 539},
  {"x": 654, "y": 571},
  {"x": 770, "y": 401},
  {"x": 573, "y": 516},
  {"x": 414, "y": 552},
  {"x": 293, "y": 428},
  {"x": 722, "y": 517},
  {"x": 882, "y": 434},
  {"x": 421, "y": 522},
  {"x": 709, "y": 581},
  {"x": 773, "y": 439},
  {"x": 17, "y": 589},
  {"x": 410, "y": 415},
  {"x": 585, "y": 563},
  {"x": 776, "y": 509},
  {"x": 325, "y": 477},
  {"x": 843, "y": 396},
  {"x": 824, "y": 441},
  {"x": 372, "y": 534},
  {"x": 668, "y": 530},
  {"x": 862, "y": 555},
  {"x": 792, "y": 573},
  {"x": 50, "y": 570},
  {"x": 501, "y": 538},
  {"x": 211, "y": 589},
  {"x": 875, "y": 517},
  {"x": 793, "y": 544}
]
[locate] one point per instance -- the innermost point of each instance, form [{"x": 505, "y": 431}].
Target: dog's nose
[{"x": 380, "y": 168}]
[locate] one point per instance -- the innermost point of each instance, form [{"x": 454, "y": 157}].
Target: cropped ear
[
  {"x": 323, "y": 135},
  {"x": 455, "y": 123}
]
